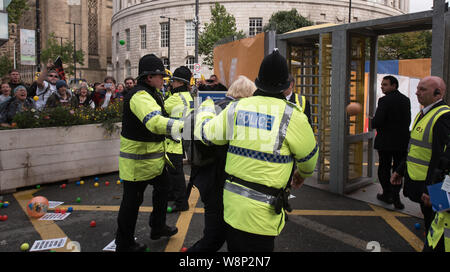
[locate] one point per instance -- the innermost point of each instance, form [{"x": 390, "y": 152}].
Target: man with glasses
[{"x": 45, "y": 88}]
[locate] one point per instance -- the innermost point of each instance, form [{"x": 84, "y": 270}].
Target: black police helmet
[
  {"x": 183, "y": 74},
  {"x": 273, "y": 76},
  {"x": 151, "y": 65}
]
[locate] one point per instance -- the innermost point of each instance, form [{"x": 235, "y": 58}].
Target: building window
[
  {"x": 127, "y": 68},
  {"x": 166, "y": 63},
  {"x": 143, "y": 37},
  {"x": 127, "y": 34},
  {"x": 190, "y": 60},
  {"x": 117, "y": 70},
  {"x": 117, "y": 43},
  {"x": 164, "y": 34},
  {"x": 255, "y": 26},
  {"x": 190, "y": 33}
]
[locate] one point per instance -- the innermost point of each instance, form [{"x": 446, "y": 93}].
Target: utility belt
[{"x": 276, "y": 197}]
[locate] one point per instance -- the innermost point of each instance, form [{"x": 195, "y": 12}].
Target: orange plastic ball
[
  {"x": 37, "y": 206},
  {"x": 354, "y": 108}
]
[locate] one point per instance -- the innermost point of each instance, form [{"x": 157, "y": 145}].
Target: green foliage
[
  {"x": 54, "y": 49},
  {"x": 284, "y": 21},
  {"x": 6, "y": 64},
  {"x": 16, "y": 9},
  {"x": 65, "y": 116},
  {"x": 222, "y": 25},
  {"x": 409, "y": 45}
]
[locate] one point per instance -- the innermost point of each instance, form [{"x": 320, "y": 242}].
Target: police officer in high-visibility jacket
[
  {"x": 142, "y": 158},
  {"x": 428, "y": 140},
  {"x": 178, "y": 106},
  {"x": 266, "y": 136},
  {"x": 298, "y": 99}
]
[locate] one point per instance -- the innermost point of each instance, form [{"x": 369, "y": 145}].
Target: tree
[
  {"x": 54, "y": 49},
  {"x": 16, "y": 9},
  {"x": 409, "y": 45},
  {"x": 222, "y": 25},
  {"x": 284, "y": 21},
  {"x": 6, "y": 64}
]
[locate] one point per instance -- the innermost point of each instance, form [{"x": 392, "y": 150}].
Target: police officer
[
  {"x": 298, "y": 99},
  {"x": 266, "y": 135},
  {"x": 178, "y": 106},
  {"x": 142, "y": 157},
  {"x": 427, "y": 143}
]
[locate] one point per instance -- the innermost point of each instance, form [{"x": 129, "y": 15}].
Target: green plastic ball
[
  {"x": 122, "y": 42},
  {"x": 169, "y": 209}
]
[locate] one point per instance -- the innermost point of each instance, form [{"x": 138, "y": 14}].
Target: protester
[
  {"x": 120, "y": 91},
  {"x": 62, "y": 97},
  {"x": 84, "y": 99},
  {"x": 46, "y": 85},
  {"x": 212, "y": 84},
  {"x": 5, "y": 92},
  {"x": 16, "y": 104},
  {"x": 15, "y": 80}
]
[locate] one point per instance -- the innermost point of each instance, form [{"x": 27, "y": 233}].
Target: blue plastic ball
[
  {"x": 77, "y": 183},
  {"x": 417, "y": 226},
  {"x": 70, "y": 209},
  {"x": 96, "y": 179}
]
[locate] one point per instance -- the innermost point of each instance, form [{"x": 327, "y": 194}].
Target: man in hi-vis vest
[
  {"x": 266, "y": 136},
  {"x": 429, "y": 137},
  {"x": 145, "y": 124}
]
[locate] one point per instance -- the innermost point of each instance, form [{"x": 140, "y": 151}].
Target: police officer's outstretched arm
[
  {"x": 146, "y": 109},
  {"x": 209, "y": 128},
  {"x": 302, "y": 144}
]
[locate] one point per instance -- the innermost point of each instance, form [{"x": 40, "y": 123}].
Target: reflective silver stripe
[
  {"x": 283, "y": 128},
  {"x": 206, "y": 109},
  {"x": 141, "y": 156},
  {"x": 426, "y": 133},
  {"x": 185, "y": 105},
  {"x": 249, "y": 193},
  {"x": 204, "y": 138},
  {"x": 420, "y": 143},
  {"x": 418, "y": 161},
  {"x": 230, "y": 119},
  {"x": 169, "y": 126},
  {"x": 310, "y": 155},
  {"x": 150, "y": 116},
  {"x": 306, "y": 173},
  {"x": 300, "y": 101}
]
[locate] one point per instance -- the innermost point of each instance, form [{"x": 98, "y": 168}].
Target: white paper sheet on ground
[
  {"x": 53, "y": 204},
  {"x": 48, "y": 244},
  {"x": 54, "y": 216},
  {"x": 291, "y": 196},
  {"x": 112, "y": 246}
]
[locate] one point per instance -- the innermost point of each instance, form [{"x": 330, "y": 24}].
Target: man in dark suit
[
  {"x": 429, "y": 137},
  {"x": 391, "y": 120}
]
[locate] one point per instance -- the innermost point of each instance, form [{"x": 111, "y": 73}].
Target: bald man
[{"x": 429, "y": 136}]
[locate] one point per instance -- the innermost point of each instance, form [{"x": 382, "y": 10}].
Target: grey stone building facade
[{"x": 139, "y": 24}]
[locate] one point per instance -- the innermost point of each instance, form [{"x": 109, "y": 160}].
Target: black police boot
[
  {"x": 397, "y": 203},
  {"x": 385, "y": 198},
  {"x": 136, "y": 247},
  {"x": 165, "y": 231}
]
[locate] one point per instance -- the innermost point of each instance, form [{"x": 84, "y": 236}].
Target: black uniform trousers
[
  {"x": 133, "y": 196},
  {"x": 389, "y": 160},
  {"x": 241, "y": 241},
  {"x": 177, "y": 180},
  {"x": 209, "y": 180}
]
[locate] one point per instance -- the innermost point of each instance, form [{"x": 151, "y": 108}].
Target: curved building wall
[{"x": 132, "y": 18}]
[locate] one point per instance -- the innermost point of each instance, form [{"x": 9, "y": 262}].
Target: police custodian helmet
[
  {"x": 151, "y": 65},
  {"x": 273, "y": 76},
  {"x": 182, "y": 74}
]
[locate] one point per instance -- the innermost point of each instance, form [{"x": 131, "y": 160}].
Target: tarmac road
[{"x": 320, "y": 221}]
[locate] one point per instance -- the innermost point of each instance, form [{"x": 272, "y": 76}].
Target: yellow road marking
[
  {"x": 184, "y": 220},
  {"x": 46, "y": 229},
  {"x": 403, "y": 231}
]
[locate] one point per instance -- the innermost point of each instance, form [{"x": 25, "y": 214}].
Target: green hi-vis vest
[
  {"x": 178, "y": 106},
  {"x": 440, "y": 226},
  {"x": 266, "y": 136},
  {"x": 300, "y": 102},
  {"x": 142, "y": 159},
  {"x": 420, "y": 143}
]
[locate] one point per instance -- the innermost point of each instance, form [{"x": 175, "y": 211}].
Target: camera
[{"x": 108, "y": 85}]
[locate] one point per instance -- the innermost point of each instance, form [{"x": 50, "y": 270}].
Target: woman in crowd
[
  {"x": 5, "y": 92},
  {"x": 84, "y": 99},
  {"x": 18, "y": 103}
]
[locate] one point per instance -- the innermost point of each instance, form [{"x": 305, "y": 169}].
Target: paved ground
[{"x": 320, "y": 222}]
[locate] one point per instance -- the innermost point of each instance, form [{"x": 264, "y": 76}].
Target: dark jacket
[
  {"x": 392, "y": 120},
  {"x": 55, "y": 100},
  {"x": 307, "y": 106},
  {"x": 13, "y": 106}
]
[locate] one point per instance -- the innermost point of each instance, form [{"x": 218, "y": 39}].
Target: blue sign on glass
[
  {"x": 214, "y": 95},
  {"x": 254, "y": 119}
]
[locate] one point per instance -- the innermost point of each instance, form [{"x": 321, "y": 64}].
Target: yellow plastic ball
[
  {"x": 25, "y": 247},
  {"x": 36, "y": 98}
]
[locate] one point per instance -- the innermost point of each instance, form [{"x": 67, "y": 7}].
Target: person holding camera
[{"x": 104, "y": 93}]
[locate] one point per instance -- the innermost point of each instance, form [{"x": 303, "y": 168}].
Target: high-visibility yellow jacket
[
  {"x": 420, "y": 143},
  {"x": 440, "y": 226},
  {"x": 142, "y": 154},
  {"x": 178, "y": 106},
  {"x": 300, "y": 102},
  {"x": 266, "y": 136}
]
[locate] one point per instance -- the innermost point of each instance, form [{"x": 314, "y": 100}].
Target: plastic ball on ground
[
  {"x": 37, "y": 206},
  {"x": 70, "y": 209},
  {"x": 77, "y": 183},
  {"x": 5, "y": 217},
  {"x": 38, "y": 186},
  {"x": 24, "y": 246},
  {"x": 96, "y": 179},
  {"x": 118, "y": 182},
  {"x": 1, "y": 204},
  {"x": 57, "y": 210},
  {"x": 107, "y": 183},
  {"x": 169, "y": 209},
  {"x": 147, "y": 249},
  {"x": 5, "y": 204},
  {"x": 63, "y": 186},
  {"x": 63, "y": 211},
  {"x": 93, "y": 224},
  {"x": 417, "y": 226},
  {"x": 78, "y": 200},
  {"x": 82, "y": 182},
  {"x": 96, "y": 184},
  {"x": 183, "y": 249}
]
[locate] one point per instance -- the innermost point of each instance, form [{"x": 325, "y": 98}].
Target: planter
[{"x": 44, "y": 155}]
